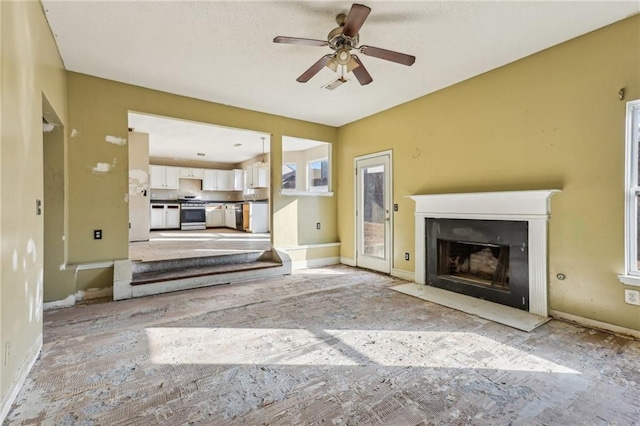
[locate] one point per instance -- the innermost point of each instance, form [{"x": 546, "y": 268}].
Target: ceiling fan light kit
[{"x": 342, "y": 40}]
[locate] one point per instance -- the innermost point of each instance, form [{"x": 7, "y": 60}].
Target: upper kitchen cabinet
[
  {"x": 216, "y": 180},
  {"x": 191, "y": 173},
  {"x": 163, "y": 177},
  {"x": 236, "y": 177},
  {"x": 258, "y": 176}
]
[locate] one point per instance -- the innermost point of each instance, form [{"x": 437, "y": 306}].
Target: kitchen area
[
  {"x": 196, "y": 189},
  {"x": 189, "y": 199}
]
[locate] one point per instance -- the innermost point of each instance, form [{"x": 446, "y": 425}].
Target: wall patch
[{"x": 115, "y": 140}]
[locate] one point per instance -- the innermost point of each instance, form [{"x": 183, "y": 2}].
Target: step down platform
[{"x": 138, "y": 279}]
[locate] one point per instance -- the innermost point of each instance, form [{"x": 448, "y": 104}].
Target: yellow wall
[
  {"x": 31, "y": 69},
  {"x": 551, "y": 120},
  {"x": 98, "y": 108}
]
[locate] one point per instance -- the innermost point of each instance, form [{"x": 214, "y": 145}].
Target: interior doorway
[
  {"x": 56, "y": 284},
  {"x": 373, "y": 211}
]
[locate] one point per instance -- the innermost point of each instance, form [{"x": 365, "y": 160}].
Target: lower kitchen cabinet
[
  {"x": 165, "y": 216},
  {"x": 230, "y": 216},
  {"x": 215, "y": 216},
  {"x": 255, "y": 217}
]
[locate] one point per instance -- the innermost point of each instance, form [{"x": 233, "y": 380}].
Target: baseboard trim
[
  {"x": 315, "y": 263},
  {"x": 601, "y": 325},
  {"x": 22, "y": 374},
  {"x": 310, "y": 246},
  {"x": 404, "y": 274},
  {"x": 347, "y": 261}
]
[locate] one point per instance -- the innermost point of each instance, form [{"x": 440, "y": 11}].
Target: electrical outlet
[
  {"x": 406, "y": 256},
  {"x": 318, "y": 225},
  {"x": 97, "y": 234},
  {"x": 632, "y": 297},
  {"x": 395, "y": 207}
]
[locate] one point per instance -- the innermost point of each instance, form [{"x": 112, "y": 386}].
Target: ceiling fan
[{"x": 343, "y": 40}]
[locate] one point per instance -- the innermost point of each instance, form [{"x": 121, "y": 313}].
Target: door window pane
[{"x": 373, "y": 212}]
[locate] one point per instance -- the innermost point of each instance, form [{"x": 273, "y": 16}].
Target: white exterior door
[{"x": 373, "y": 212}]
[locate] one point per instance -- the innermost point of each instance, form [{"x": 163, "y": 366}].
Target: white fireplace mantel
[{"x": 530, "y": 206}]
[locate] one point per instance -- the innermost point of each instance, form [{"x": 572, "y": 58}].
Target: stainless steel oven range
[{"x": 193, "y": 215}]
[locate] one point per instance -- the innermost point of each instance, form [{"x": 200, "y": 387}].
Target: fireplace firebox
[{"x": 487, "y": 259}]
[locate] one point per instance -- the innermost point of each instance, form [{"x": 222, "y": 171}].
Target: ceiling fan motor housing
[{"x": 337, "y": 40}]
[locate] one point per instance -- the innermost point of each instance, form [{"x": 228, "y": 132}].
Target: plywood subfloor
[{"x": 322, "y": 346}]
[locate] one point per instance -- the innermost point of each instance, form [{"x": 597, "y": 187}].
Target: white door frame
[{"x": 389, "y": 248}]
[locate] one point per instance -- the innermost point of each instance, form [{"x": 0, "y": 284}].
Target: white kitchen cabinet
[
  {"x": 163, "y": 177},
  {"x": 209, "y": 180},
  {"x": 215, "y": 180},
  {"x": 255, "y": 217},
  {"x": 165, "y": 216},
  {"x": 215, "y": 216},
  {"x": 222, "y": 180},
  {"x": 158, "y": 215},
  {"x": 173, "y": 216},
  {"x": 237, "y": 180},
  {"x": 230, "y": 216},
  {"x": 191, "y": 173},
  {"x": 257, "y": 176}
]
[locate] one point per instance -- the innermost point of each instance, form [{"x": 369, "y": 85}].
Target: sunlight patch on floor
[{"x": 277, "y": 346}]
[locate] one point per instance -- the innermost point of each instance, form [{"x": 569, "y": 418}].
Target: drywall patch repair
[
  {"x": 115, "y": 140},
  {"x": 74, "y": 133},
  {"x": 14, "y": 260},
  {"x": 102, "y": 168},
  {"x": 64, "y": 303},
  {"x": 93, "y": 293},
  {"x": 31, "y": 249}
]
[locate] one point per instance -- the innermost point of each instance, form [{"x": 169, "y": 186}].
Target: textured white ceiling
[
  {"x": 185, "y": 140},
  {"x": 222, "y": 51}
]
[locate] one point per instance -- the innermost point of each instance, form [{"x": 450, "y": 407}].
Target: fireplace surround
[{"x": 526, "y": 211}]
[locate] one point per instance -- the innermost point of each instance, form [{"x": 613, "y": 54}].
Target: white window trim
[{"x": 632, "y": 274}]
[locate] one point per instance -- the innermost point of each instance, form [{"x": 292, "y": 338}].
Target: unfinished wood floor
[{"x": 324, "y": 346}]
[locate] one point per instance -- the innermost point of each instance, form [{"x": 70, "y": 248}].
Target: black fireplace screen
[{"x": 487, "y": 259}]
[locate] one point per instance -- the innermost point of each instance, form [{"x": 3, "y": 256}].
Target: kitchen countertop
[{"x": 165, "y": 202}]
